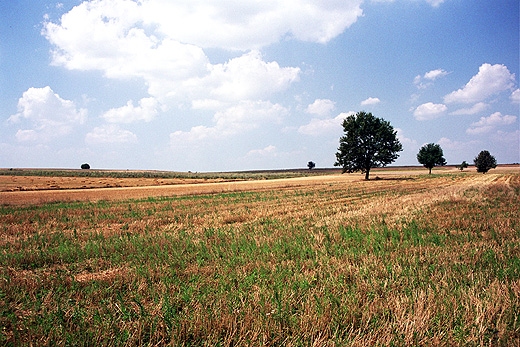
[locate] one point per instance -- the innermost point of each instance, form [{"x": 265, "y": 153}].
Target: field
[{"x": 326, "y": 260}]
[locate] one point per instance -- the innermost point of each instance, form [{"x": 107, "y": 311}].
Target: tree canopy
[
  {"x": 463, "y": 165},
  {"x": 485, "y": 161},
  {"x": 368, "y": 142},
  {"x": 430, "y": 155}
]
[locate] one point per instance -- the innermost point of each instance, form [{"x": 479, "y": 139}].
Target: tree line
[{"x": 370, "y": 142}]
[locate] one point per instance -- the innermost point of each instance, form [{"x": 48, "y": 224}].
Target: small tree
[
  {"x": 85, "y": 166},
  {"x": 485, "y": 161},
  {"x": 430, "y": 155},
  {"x": 368, "y": 142},
  {"x": 462, "y": 166},
  {"x": 311, "y": 165}
]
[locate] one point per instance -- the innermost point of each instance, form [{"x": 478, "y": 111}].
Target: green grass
[{"x": 271, "y": 268}]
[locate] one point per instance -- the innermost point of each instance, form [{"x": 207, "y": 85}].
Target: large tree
[
  {"x": 485, "y": 161},
  {"x": 430, "y": 155},
  {"x": 368, "y": 142}
]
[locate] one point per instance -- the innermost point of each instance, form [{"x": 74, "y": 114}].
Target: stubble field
[{"x": 408, "y": 259}]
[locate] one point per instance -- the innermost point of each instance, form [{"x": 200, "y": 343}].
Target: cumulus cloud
[
  {"x": 318, "y": 127},
  {"x": 434, "y": 74},
  {"x": 487, "y": 124},
  {"x": 429, "y": 111},
  {"x": 46, "y": 115},
  {"x": 321, "y": 107},
  {"x": 110, "y": 134},
  {"x": 370, "y": 101},
  {"x": 241, "y": 118},
  {"x": 429, "y": 76},
  {"x": 490, "y": 80},
  {"x": 163, "y": 42},
  {"x": 515, "y": 96},
  {"x": 245, "y": 25},
  {"x": 477, "y": 108},
  {"x": 114, "y": 39},
  {"x": 246, "y": 77},
  {"x": 146, "y": 111}
]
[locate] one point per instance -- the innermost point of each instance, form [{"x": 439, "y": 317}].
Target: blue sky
[{"x": 240, "y": 85}]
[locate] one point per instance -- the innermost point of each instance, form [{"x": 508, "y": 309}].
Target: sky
[{"x": 231, "y": 85}]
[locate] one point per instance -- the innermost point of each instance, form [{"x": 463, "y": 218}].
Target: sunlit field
[{"x": 404, "y": 260}]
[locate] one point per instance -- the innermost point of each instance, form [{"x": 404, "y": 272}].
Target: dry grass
[{"x": 407, "y": 260}]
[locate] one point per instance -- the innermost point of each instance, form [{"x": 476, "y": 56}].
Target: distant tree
[
  {"x": 430, "y": 155},
  {"x": 368, "y": 142},
  {"x": 485, "y": 161},
  {"x": 85, "y": 166},
  {"x": 462, "y": 166},
  {"x": 311, "y": 165}
]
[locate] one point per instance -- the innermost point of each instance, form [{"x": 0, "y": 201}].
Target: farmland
[{"x": 325, "y": 260}]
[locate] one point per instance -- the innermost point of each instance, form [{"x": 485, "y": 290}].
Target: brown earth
[{"x": 28, "y": 190}]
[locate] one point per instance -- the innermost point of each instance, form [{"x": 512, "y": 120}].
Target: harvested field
[
  {"x": 24, "y": 190},
  {"x": 409, "y": 259},
  {"x": 32, "y": 183}
]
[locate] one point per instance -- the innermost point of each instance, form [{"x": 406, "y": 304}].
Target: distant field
[
  {"x": 30, "y": 186},
  {"x": 330, "y": 260}
]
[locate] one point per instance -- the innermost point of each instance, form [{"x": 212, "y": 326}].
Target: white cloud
[
  {"x": 456, "y": 146},
  {"x": 508, "y": 138},
  {"x": 242, "y": 25},
  {"x": 403, "y": 139},
  {"x": 370, "y": 101},
  {"x": 47, "y": 115},
  {"x": 208, "y": 104},
  {"x": 110, "y": 134},
  {"x": 430, "y": 76},
  {"x": 318, "y": 127},
  {"x": 435, "y": 3},
  {"x": 321, "y": 107},
  {"x": 486, "y": 124},
  {"x": 241, "y": 118},
  {"x": 434, "y": 74},
  {"x": 515, "y": 96},
  {"x": 429, "y": 111},
  {"x": 146, "y": 111},
  {"x": 477, "y": 108},
  {"x": 267, "y": 151},
  {"x": 162, "y": 42},
  {"x": 126, "y": 39},
  {"x": 245, "y": 77},
  {"x": 490, "y": 80},
  {"x": 120, "y": 47}
]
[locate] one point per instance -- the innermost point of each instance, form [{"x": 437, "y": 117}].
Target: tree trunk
[
  {"x": 430, "y": 170},
  {"x": 366, "y": 175}
]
